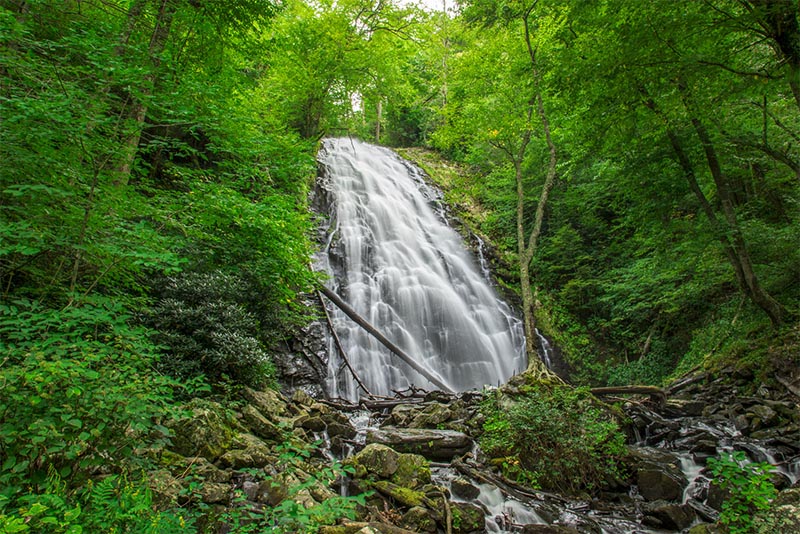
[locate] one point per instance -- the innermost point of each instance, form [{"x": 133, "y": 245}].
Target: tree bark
[
  {"x": 397, "y": 351},
  {"x": 138, "y": 111},
  {"x": 757, "y": 293}
]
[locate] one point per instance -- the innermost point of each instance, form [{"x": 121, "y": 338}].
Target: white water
[{"x": 399, "y": 265}]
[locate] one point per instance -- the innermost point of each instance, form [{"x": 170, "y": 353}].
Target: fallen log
[
  {"x": 380, "y": 405},
  {"x": 656, "y": 394},
  {"x": 394, "y": 349},
  {"x": 339, "y": 347}
]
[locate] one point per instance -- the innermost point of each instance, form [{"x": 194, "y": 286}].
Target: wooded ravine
[{"x": 626, "y": 173}]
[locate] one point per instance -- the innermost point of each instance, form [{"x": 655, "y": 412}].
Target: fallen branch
[
  {"x": 339, "y": 347},
  {"x": 657, "y": 394},
  {"x": 394, "y": 349}
]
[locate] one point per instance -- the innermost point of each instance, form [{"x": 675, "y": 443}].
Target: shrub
[
  {"x": 749, "y": 487},
  {"x": 202, "y": 320},
  {"x": 555, "y": 438}
]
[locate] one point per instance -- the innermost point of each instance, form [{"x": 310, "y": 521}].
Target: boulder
[
  {"x": 467, "y": 518},
  {"x": 418, "y": 519},
  {"x": 464, "y": 489},
  {"x": 270, "y": 403},
  {"x": 260, "y": 425},
  {"x": 413, "y": 471},
  {"x": 548, "y": 529},
  {"x": 247, "y": 451},
  {"x": 207, "y": 432},
  {"x": 404, "y": 496},
  {"x": 214, "y": 493},
  {"x": 669, "y": 515},
  {"x": 782, "y": 516},
  {"x": 657, "y": 474},
  {"x": 375, "y": 459},
  {"x": 430, "y": 443}
]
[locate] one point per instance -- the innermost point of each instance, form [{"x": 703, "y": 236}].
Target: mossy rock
[
  {"x": 413, "y": 471},
  {"x": 418, "y": 519},
  {"x": 376, "y": 459},
  {"x": 247, "y": 451},
  {"x": 208, "y": 432},
  {"x": 270, "y": 403},
  {"x": 467, "y": 518},
  {"x": 196, "y": 466},
  {"x": 259, "y": 425},
  {"x": 404, "y": 496}
]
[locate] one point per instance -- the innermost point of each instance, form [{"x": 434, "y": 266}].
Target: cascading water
[{"x": 395, "y": 260}]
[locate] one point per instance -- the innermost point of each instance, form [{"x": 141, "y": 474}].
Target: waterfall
[{"x": 391, "y": 255}]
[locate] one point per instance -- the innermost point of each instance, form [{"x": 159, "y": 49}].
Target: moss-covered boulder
[
  {"x": 259, "y": 425},
  {"x": 247, "y": 451},
  {"x": 467, "y": 518},
  {"x": 270, "y": 403},
  {"x": 375, "y": 459},
  {"x": 208, "y": 432},
  {"x": 418, "y": 519},
  {"x": 413, "y": 471},
  {"x": 403, "y": 496}
]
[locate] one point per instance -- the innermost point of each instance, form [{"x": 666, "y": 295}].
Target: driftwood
[
  {"x": 394, "y": 349},
  {"x": 378, "y": 405},
  {"x": 656, "y": 394},
  {"x": 339, "y": 347}
]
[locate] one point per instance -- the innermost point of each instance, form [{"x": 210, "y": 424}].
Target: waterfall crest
[{"x": 395, "y": 260}]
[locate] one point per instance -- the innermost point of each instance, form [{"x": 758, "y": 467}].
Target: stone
[
  {"x": 376, "y": 459},
  {"x": 670, "y": 515},
  {"x": 657, "y": 482},
  {"x": 166, "y": 488},
  {"x": 430, "y": 443},
  {"x": 464, "y": 489},
  {"x": 248, "y": 451},
  {"x": 413, "y": 471},
  {"x": 404, "y": 496},
  {"x": 260, "y": 425},
  {"x": 301, "y": 398},
  {"x": 782, "y": 516},
  {"x": 213, "y": 493},
  {"x": 467, "y": 518},
  {"x": 763, "y": 416},
  {"x": 207, "y": 432},
  {"x": 270, "y": 403},
  {"x": 418, "y": 519}
]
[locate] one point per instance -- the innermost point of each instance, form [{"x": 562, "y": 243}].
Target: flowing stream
[{"x": 391, "y": 255}]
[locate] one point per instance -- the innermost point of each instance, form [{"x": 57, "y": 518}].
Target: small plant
[{"x": 749, "y": 487}]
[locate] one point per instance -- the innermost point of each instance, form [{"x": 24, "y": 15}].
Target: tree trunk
[
  {"x": 755, "y": 291},
  {"x": 138, "y": 111},
  {"x": 378, "y": 118}
]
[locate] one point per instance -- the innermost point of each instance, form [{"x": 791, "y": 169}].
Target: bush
[
  {"x": 207, "y": 330},
  {"x": 749, "y": 488},
  {"x": 78, "y": 393},
  {"x": 553, "y": 438}
]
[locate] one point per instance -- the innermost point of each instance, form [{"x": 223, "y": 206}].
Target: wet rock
[
  {"x": 207, "y": 432},
  {"x": 467, "y": 518},
  {"x": 669, "y": 515},
  {"x": 684, "y": 407},
  {"x": 657, "y": 474},
  {"x": 432, "y": 444},
  {"x": 359, "y": 528},
  {"x": 464, "y": 489},
  {"x": 762, "y": 416},
  {"x": 418, "y": 519}
]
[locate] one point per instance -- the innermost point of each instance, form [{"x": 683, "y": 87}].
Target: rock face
[{"x": 432, "y": 444}]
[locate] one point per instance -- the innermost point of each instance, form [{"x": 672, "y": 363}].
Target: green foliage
[
  {"x": 291, "y": 515},
  {"x": 553, "y": 438},
  {"x": 114, "y": 504},
  {"x": 203, "y": 322},
  {"x": 748, "y": 486},
  {"x": 78, "y": 388}
]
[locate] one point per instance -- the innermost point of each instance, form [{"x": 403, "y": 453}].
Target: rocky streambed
[{"x": 415, "y": 464}]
